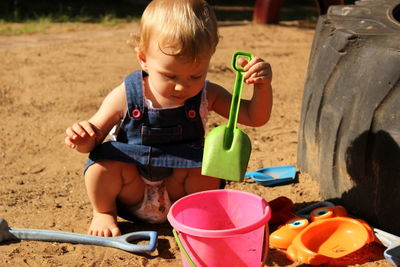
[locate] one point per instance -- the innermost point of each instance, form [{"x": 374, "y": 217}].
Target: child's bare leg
[
  {"x": 187, "y": 181},
  {"x": 105, "y": 182}
]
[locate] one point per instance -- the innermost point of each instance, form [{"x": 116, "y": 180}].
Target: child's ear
[{"x": 141, "y": 57}]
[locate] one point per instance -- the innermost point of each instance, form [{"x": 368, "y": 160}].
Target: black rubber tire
[{"x": 349, "y": 138}]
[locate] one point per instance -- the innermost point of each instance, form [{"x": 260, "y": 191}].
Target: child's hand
[
  {"x": 81, "y": 136},
  {"x": 258, "y": 72}
]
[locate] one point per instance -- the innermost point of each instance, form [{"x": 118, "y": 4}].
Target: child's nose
[{"x": 180, "y": 86}]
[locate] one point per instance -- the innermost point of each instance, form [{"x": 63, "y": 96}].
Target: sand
[{"x": 48, "y": 81}]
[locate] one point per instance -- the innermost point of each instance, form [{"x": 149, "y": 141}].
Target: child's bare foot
[{"x": 104, "y": 224}]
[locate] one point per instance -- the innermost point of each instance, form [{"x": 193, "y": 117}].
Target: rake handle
[
  {"x": 121, "y": 242},
  {"x": 124, "y": 242}
]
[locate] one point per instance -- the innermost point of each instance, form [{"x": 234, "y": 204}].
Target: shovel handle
[
  {"x": 121, "y": 242},
  {"x": 236, "y": 95},
  {"x": 235, "y": 58}
]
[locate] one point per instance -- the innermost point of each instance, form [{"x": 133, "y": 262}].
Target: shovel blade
[{"x": 226, "y": 163}]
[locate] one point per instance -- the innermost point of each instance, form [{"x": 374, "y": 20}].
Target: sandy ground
[{"x": 49, "y": 81}]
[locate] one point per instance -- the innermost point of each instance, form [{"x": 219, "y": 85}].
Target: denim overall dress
[{"x": 153, "y": 138}]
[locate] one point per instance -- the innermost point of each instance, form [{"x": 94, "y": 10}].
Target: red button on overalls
[
  {"x": 192, "y": 114},
  {"x": 136, "y": 113}
]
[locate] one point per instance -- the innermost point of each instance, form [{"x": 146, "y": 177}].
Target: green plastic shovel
[{"x": 227, "y": 148}]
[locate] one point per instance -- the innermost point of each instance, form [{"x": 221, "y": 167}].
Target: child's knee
[
  {"x": 196, "y": 182},
  {"x": 100, "y": 169},
  {"x": 112, "y": 171}
]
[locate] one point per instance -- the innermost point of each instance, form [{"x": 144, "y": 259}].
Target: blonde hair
[{"x": 186, "y": 28}]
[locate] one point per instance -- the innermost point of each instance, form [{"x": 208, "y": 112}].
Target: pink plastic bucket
[{"x": 221, "y": 228}]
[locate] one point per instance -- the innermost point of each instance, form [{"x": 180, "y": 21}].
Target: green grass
[
  {"x": 48, "y": 23},
  {"x": 19, "y": 17},
  {"x": 28, "y": 27}
]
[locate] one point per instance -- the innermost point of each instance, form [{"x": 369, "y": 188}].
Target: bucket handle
[
  {"x": 192, "y": 264},
  {"x": 182, "y": 248},
  {"x": 265, "y": 246}
]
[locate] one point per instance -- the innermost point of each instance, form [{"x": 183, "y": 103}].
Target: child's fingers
[
  {"x": 242, "y": 62},
  {"x": 69, "y": 142},
  {"x": 87, "y": 126},
  {"x": 79, "y": 133},
  {"x": 81, "y": 129},
  {"x": 259, "y": 70},
  {"x": 78, "y": 130},
  {"x": 261, "y": 79},
  {"x": 71, "y": 134},
  {"x": 252, "y": 62},
  {"x": 262, "y": 73},
  {"x": 72, "y": 139},
  {"x": 256, "y": 64},
  {"x": 255, "y": 69}
]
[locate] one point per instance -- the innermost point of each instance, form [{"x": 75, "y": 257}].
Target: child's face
[{"x": 172, "y": 79}]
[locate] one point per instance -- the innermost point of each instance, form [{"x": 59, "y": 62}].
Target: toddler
[{"x": 157, "y": 117}]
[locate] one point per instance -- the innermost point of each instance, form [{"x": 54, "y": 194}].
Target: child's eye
[
  {"x": 196, "y": 77},
  {"x": 170, "y": 76}
]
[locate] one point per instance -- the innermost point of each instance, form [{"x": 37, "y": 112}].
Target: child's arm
[
  {"x": 85, "y": 135},
  {"x": 256, "y": 111}
]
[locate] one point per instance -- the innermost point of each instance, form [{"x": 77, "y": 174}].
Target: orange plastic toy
[
  {"x": 283, "y": 237},
  {"x": 330, "y": 235}
]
